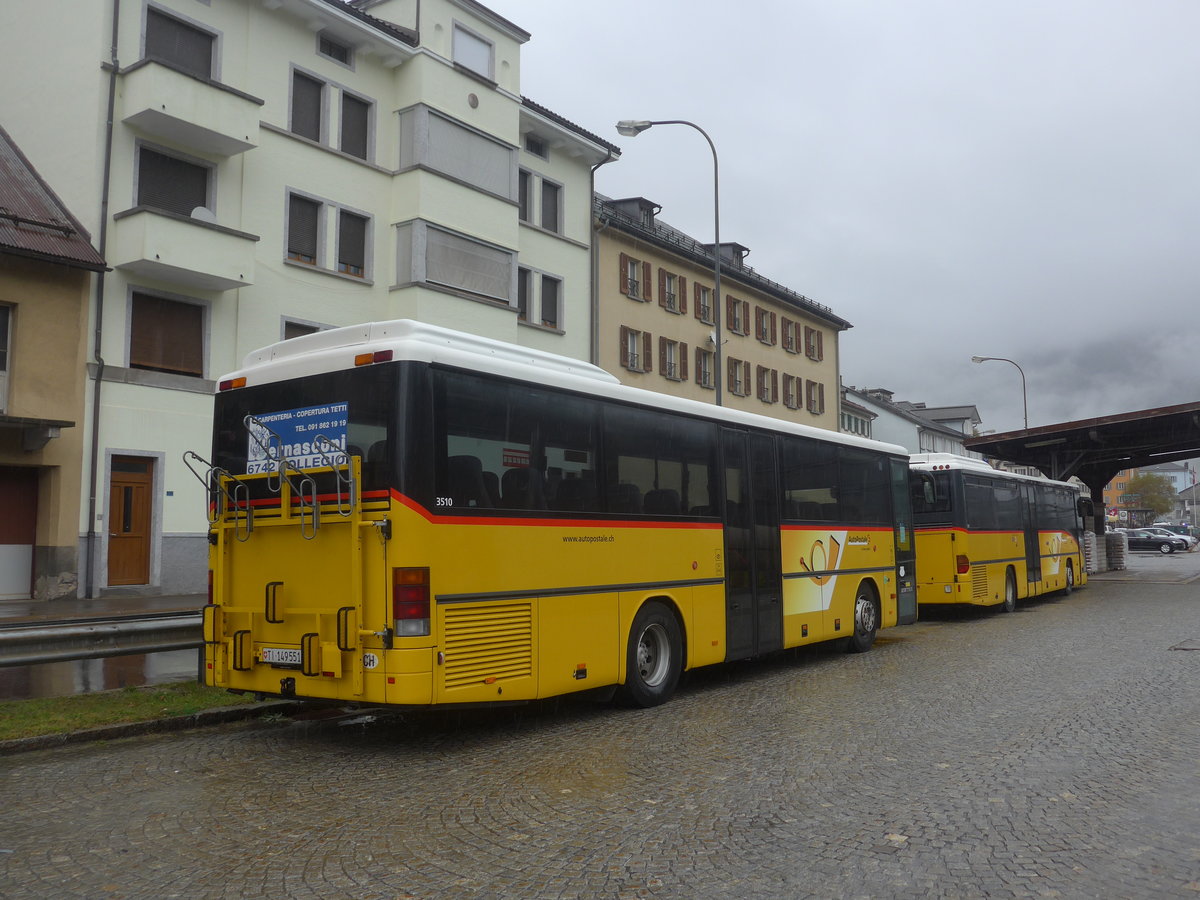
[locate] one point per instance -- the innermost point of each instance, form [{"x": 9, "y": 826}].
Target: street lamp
[
  {"x": 634, "y": 127},
  {"x": 1024, "y": 395}
]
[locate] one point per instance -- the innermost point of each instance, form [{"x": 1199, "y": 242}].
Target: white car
[{"x": 1166, "y": 532}]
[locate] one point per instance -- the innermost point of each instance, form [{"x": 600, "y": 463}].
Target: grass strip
[{"x": 62, "y": 715}]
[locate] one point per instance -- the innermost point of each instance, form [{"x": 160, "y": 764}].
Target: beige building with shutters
[{"x": 659, "y": 322}]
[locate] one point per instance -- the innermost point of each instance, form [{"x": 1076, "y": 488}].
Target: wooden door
[{"x": 129, "y": 520}]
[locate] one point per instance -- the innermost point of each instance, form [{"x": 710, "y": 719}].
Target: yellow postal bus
[
  {"x": 406, "y": 515},
  {"x": 987, "y": 537}
]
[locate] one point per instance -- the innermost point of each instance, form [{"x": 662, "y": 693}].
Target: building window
[
  {"x": 473, "y": 52},
  {"x": 672, "y": 292},
  {"x": 179, "y": 44},
  {"x": 673, "y": 359},
  {"x": 814, "y": 393},
  {"x": 356, "y": 126},
  {"x": 704, "y": 307},
  {"x": 536, "y": 146},
  {"x": 765, "y": 324},
  {"x": 767, "y": 384},
  {"x": 738, "y": 377},
  {"x": 551, "y": 206},
  {"x": 293, "y": 328},
  {"x": 813, "y": 344},
  {"x": 426, "y": 253},
  {"x": 166, "y": 335},
  {"x": 352, "y": 244},
  {"x": 524, "y": 195},
  {"x": 462, "y": 153},
  {"x": 550, "y": 300},
  {"x": 636, "y": 355},
  {"x": 304, "y": 229},
  {"x": 335, "y": 50},
  {"x": 853, "y": 424},
  {"x": 704, "y": 367},
  {"x": 524, "y": 286},
  {"x": 308, "y": 109},
  {"x": 172, "y": 184},
  {"x": 791, "y": 391},
  {"x": 737, "y": 315},
  {"x": 5, "y": 328},
  {"x": 789, "y": 335},
  {"x": 635, "y": 278}
]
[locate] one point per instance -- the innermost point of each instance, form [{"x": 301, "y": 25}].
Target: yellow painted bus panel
[
  {"x": 705, "y": 625},
  {"x": 409, "y": 689},
  {"x": 561, "y": 623}
]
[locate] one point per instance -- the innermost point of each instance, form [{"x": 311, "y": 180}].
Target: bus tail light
[
  {"x": 410, "y": 601},
  {"x": 963, "y": 564}
]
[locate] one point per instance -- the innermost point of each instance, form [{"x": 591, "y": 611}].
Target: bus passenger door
[
  {"x": 906, "y": 552},
  {"x": 753, "y": 576},
  {"x": 1033, "y": 547}
]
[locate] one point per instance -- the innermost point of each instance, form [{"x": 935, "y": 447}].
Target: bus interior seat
[
  {"x": 662, "y": 501},
  {"x": 492, "y": 482},
  {"x": 625, "y": 498},
  {"x": 375, "y": 463},
  {"x": 521, "y": 488},
  {"x": 575, "y": 494},
  {"x": 465, "y": 477}
]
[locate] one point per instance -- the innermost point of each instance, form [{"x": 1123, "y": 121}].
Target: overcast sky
[{"x": 1011, "y": 178}]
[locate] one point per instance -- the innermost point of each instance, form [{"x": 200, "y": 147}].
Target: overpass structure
[{"x": 1095, "y": 450}]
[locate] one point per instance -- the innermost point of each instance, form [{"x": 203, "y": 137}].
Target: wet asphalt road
[{"x": 1053, "y": 752}]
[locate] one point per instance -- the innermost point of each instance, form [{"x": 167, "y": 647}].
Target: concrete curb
[{"x": 215, "y": 716}]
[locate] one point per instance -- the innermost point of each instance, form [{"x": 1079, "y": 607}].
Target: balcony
[
  {"x": 203, "y": 116},
  {"x": 189, "y": 252}
]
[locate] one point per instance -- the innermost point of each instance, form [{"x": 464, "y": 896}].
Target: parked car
[
  {"x": 1163, "y": 531},
  {"x": 1141, "y": 539}
]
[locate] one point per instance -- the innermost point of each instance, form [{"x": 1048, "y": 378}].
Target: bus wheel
[
  {"x": 1070, "y": 578},
  {"x": 1010, "y": 591},
  {"x": 866, "y": 619},
  {"x": 654, "y": 659}
]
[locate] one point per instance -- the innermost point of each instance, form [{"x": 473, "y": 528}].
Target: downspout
[
  {"x": 594, "y": 254},
  {"x": 93, "y": 477}
]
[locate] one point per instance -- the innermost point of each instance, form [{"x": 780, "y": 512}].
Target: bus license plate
[{"x": 280, "y": 657}]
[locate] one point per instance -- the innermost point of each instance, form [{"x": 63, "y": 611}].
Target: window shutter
[
  {"x": 647, "y": 273},
  {"x": 170, "y": 184},
  {"x": 166, "y": 336},
  {"x": 683, "y": 362},
  {"x": 624, "y": 277},
  {"x": 662, "y": 355},
  {"x": 172, "y": 41},
  {"x": 306, "y": 106},
  {"x": 729, "y": 301},
  {"x": 820, "y": 345},
  {"x": 303, "y": 216},
  {"x": 774, "y": 328},
  {"x": 745, "y": 315},
  {"x": 355, "y": 115},
  {"x": 682, "y": 294},
  {"x": 774, "y": 386},
  {"x": 352, "y": 242},
  {"x": 662, "y": 288},
  {"x": 624, "y": 346},
  {"x": 647, "y": 349},
  {"x": 731, "y": 375},
  {"x": 746, "y": 373}
]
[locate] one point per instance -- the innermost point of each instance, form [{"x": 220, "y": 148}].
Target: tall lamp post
[
  {"x": 1024, "y": 395},
  {"x": 634, "y": 127}
]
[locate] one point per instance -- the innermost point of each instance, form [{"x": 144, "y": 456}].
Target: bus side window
[{"x": 465, "y": 477}]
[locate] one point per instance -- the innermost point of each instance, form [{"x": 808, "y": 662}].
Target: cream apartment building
[
  {"x": 270, "y": 168},
  {"x": 660, "y": 323}
]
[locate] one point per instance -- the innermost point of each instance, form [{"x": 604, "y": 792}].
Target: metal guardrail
[{"x": 43, "y": 642}]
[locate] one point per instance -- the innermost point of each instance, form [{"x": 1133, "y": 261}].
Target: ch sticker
[{"x": 370, "y": 660}]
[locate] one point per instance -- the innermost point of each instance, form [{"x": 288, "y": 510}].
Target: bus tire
[
  {"x": 1010, "y": 591},
  {"x": 1070, "y": 578},
  {"x": 654, "y": 657},
  {"x": 866, "y": 619}
]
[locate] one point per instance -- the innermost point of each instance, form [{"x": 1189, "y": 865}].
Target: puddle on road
[{"x": 83, "y": 676}]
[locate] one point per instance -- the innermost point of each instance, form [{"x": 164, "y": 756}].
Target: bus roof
[
  {"x": 408, "y": 340},
  {"x": 930, "y": 461}
]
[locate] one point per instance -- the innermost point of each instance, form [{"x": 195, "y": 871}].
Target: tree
[{"x": 1150, "y": 491}]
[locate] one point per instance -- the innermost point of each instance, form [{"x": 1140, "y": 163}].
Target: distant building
[
  {"x": 660, "y": 321},
  {"x": 917, "y": 428},
  {"x": 46, "y": 262}
]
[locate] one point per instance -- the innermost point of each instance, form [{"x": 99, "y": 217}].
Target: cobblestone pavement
[{"x": 1053, "y": 752}]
